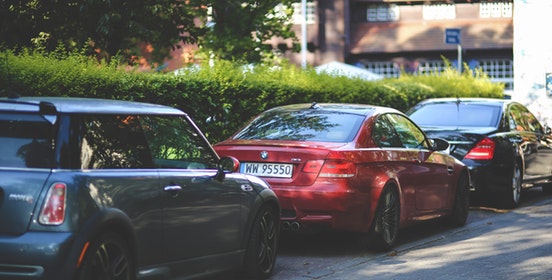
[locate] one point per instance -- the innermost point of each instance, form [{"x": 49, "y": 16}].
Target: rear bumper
[
  {"x": 324, "y": 207},
  {"x": 489, "y": 177},
  {"x": 37, "y": 255}
]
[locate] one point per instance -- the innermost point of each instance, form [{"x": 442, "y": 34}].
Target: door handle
[{"x": 173, "y": 189}]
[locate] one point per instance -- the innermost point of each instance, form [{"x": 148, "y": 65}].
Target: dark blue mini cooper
[{"x": 105, "y": 189}]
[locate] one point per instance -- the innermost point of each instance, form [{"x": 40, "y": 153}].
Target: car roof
[
  {"x": 87, "y": 105},
  {"x": 475, "y": 100},
  {"x": 359, "y": 109}
]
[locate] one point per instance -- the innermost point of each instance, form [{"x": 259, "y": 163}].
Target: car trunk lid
[
  {"x": 19, "y": 194},
  {"x": 297, "y": 163},
  {"x": 461, "y": 139}
]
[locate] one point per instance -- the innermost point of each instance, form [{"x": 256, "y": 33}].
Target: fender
[{"x": 108, "y": 219}]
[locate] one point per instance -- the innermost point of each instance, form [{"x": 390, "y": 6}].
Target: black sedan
[{"x": 506, "y": 148}]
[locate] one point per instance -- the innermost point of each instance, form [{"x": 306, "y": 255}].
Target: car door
[
  {"x": 201, "y": 213},
  {"x": 426, "y": 173},
  {"x": 119, "y": 174},
  {"x": 534, "y": 142}
]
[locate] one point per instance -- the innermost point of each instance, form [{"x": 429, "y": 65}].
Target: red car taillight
[
  {"x": 338, "y": 169},
  {"x": 53, "y": 211},
  {"x": 331, "y": 168},
  {"x": 484, "y": 150}
]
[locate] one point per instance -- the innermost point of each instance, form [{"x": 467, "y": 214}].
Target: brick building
[{"x": 387, "y": 36}]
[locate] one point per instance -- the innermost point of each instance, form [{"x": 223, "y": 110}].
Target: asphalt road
[{"x": 494, "y": 244}]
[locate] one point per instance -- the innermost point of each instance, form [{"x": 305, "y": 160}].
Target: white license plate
[{"x": 267, "y": 169}]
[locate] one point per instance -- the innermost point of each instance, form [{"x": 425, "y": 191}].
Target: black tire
[
  {"x": 385, "y": 227},
  {"x": 260, "y": 255},
  {"x": 512, "y": 195},
  {"x": 107, "y": 258},
  {"x": 460, "y": 209}
]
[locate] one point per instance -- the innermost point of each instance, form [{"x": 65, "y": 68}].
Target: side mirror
[
  {"x": 439, "y": 144},
  {"x": 227, "y": 164},
  {"x": 547, "y": 130}
]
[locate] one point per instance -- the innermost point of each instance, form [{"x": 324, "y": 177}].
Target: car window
[
  {"x": 113, "y": 141},
  {"x": 451, "y": 114},
  {"x": 175, "y": 143},
  {"x": 410, "y": 135},
  {"x": 26, "y": 140},
  {"x": 308, "y": 125},
  {"x": 522, "y": 119},
  {"x": 384, "y": 134}
]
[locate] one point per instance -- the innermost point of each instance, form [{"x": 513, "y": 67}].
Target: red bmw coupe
[{"x": 356, "y": 168}]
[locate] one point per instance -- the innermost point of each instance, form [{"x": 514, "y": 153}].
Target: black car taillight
[
  {"x": 483, "y": 150},
  {"x": 53, "y": 210}
]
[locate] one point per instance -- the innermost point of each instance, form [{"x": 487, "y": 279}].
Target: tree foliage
[
  {"x": 240, "y": 28},
  {"x": 117, "y": 26}
]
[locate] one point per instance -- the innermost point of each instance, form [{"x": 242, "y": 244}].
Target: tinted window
[
  {"x": 411, "y": 136},
  {"x": 385, "y": 135},
  {"x": 450, "y": 114},
  {"x": 523, "y": 120},
  {"x": 26, "y": 141},
  {"x": 175, "y": 143},
  {"x": 113, "y": 141},
  {"x": 311, "y": 125}
]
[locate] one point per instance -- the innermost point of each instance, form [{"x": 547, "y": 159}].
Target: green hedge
[{"x": 221, "y": 98}]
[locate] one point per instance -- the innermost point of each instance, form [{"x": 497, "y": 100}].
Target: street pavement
[{"x": 513, "y": 244}]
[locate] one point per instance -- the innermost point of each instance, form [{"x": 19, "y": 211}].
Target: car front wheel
[
  {"x": 260, "y": 256},
  {"x": 107, "y": 258}
]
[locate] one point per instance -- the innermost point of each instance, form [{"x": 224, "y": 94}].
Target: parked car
[
  {"x": 354, "y": 168},
  {"x": 106, "y": 189},
  {"x": 506, "y": 148}
]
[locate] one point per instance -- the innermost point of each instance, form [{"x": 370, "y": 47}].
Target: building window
[
  {"x": 495, "y": 10},
  {"x": 500, "y": 71},
  {"x": 386, "y": 69},
  {"x": 382, "y": 12},
  {"x": 439, "y": 12},
  {"x": 298, "y": 15},
  {"x": 429, "y": 67}
]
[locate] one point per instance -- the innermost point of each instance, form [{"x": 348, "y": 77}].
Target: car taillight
[
  {"x": 53, "y": 211},
  {"x": 484, "y": 150},
  {"x": 313, "y": 166},
  {"x": 338, "y": 169}
]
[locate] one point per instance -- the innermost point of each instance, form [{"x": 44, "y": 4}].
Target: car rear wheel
[
  {"x": 385, "y": 227},
  {"x": 261, "y": 250},
  {"x": 107, "y": 258},
  {"x": 461, "y": 206},
  {"x": 513, "y": 195}
]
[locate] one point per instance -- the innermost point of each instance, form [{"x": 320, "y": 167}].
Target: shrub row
[{"x": 222, "y": 97}]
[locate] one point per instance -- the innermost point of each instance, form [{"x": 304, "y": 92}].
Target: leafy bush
[{"x": 223, "y": 96}]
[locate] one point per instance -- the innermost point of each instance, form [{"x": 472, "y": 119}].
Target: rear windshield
[
  {"x": 26, "y": 140},
  {"x": 474, "y": 115},
  {"x": 310, "y": 125}
]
